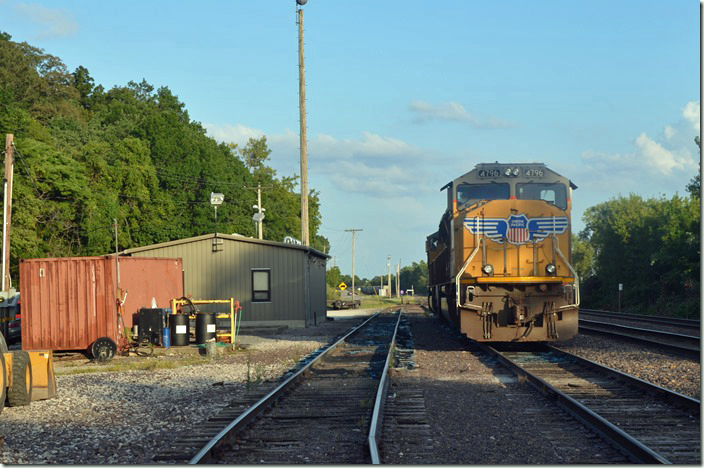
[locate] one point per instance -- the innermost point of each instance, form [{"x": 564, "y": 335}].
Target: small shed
[{"x": 276, "y": 283}]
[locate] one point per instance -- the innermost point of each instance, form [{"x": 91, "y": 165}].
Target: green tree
[
  {"x": 333, "y": 276},
  {"x": 86, "y": 156},
  {"x": 694, "y": 187},
  {"x": 582, "y": 257}
]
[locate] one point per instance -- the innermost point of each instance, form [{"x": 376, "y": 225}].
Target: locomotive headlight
[
  {"x": 550, "y": 269},
  {"x": 507, "y": 172},
  {"x": 488, "y": 269},
  {"x": 516, "y": 171}
]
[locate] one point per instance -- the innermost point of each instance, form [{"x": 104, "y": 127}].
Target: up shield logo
[{"x": 517, "y": 229}]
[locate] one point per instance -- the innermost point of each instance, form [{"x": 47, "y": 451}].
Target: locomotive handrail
[
  {"x": 576, "y": 279},
  {"x": 464, "y": 267}
]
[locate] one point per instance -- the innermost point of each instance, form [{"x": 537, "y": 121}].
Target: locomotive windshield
[
  {"x": 555, "y": 194},
  {"x": 467, "y": 193}
]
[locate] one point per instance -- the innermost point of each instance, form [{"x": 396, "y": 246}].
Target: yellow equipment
[
  {"x": 232, "y": 315},
  {"x": 27, "y": 376}
]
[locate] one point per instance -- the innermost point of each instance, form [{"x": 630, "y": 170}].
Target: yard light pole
[
  {"x": 216, "y": 200},
  {"x": 259, "y": 215},
  {"x": 302, "y": 110}
]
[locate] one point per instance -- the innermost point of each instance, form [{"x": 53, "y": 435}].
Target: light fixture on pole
[
  {"x": 216, "y": 200},
  {"x": 258, "y": 218}
]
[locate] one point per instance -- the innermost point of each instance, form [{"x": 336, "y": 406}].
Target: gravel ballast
[
  {"x": 477, "y": 412},
  {"x": 126, "y": 417}
]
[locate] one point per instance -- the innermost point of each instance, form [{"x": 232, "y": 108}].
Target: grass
[
  {"x": 145, "y": 364},
  {"x": 370, "y": 302}
]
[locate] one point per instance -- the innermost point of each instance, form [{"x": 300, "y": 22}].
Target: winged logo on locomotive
[{"x": 517, "y": 229}]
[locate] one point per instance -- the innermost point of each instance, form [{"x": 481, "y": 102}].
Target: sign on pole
[{"x": 342, "y": 286}]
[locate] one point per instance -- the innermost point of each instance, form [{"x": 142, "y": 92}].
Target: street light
[{"x": 216, "y": 200}]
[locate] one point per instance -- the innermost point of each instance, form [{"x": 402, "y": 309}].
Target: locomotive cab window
[
  {"x": 555, "y": 194},
  {"x": 467, "y": 193}
]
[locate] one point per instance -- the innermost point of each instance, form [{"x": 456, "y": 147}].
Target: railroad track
[
  {"x": 684, "y": 344},
  {"x": 329, "y": 411},
  {"x": 649, "y": 424},
  {"x": 682, "y": 323}
]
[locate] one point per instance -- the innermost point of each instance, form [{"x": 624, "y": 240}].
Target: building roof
[{"x": 231, "y": 237}]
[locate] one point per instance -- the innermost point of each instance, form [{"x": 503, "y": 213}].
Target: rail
[
  {"x": 611, "y": 431},
  {"x": 377, "y": 414},
  {"x": 672, "y": 321},
  {"x": 686, "y": 344},
  {"x": 208, "y": 452}
]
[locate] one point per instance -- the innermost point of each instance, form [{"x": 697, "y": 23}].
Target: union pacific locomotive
[{"x": 499, "y": 265}]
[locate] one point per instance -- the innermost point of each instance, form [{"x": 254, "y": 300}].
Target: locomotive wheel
[
  {"x": 103, "y": 349},
  {"x": 20, "y": 392}
]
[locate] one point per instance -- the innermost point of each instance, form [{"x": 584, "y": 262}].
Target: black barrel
[
  {"x": 205, "y": 327},
  {"x": 180, "y": 333}
]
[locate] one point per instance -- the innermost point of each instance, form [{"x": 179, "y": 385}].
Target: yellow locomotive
[{"x": 499, "y": 264}]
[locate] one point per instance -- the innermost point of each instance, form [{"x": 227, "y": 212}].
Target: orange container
[{"x": 68, "y": 303}]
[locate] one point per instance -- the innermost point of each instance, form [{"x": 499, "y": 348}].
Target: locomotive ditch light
[
  {"x": 488, "y": 269},
  {"x": 550, "y": 269}
]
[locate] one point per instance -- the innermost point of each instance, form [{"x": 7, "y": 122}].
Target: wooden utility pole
[
  {"x": 388, "y": 279},
  {"x": 353, "y": 231},
  {"x": 260, "y": 211},
  {"x": 304, "y": 145},
  {"x": 7, "y": 212},
  {"x": 398, "y": 279},
  {"x": 259, "y": 207}
]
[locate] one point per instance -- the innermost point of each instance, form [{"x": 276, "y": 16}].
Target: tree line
[
  {"x": 649, "y": 246},
  {"x": 413, "y": 276},
  {"x": 86, "y": 156}
]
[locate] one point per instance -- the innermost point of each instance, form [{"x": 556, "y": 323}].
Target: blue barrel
[{"x": 166, "y": 337}]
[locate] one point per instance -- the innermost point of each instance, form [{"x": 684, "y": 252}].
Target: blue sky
[{"x": 404, "y": 96}]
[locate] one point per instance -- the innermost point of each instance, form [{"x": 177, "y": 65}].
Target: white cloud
[
  {"x": 227, "y": 133},
  {"x": 373, "y": 165},
  {"x": 654, "y": 159},
  {"x": 670, "y": 132},
  {"x": 660, "y": 159},
  {"x": 451, "y": 112},
  {"x": 370, "y": 145},
  {"x": 691, "y": 114},
  {"x": 54, "y": 23}
]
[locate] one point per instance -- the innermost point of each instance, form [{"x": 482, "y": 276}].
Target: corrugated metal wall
[
  {"x": 317, "y": 291},
  {"x": 64, "y": 302},
  {"x": 68, "y": 303},
  {"x": 227, "y": 273}
]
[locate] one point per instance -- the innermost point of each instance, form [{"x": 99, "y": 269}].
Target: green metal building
[{"x": 276, "y": 283}]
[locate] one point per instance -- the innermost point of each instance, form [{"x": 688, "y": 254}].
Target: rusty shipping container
[{"x": 68, "y": 303}]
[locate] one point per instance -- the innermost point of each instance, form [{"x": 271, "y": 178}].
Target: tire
[
  {"x": 20, "y": 392},
  {"x": 103, "y": 349},
  {"x": 3, "y": 344}
]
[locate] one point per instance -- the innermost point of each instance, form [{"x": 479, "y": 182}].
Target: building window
[{"x": 261, "y": 285}]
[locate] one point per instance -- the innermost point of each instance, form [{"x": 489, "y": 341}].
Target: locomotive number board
[{"x": 495, "y": 172}]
